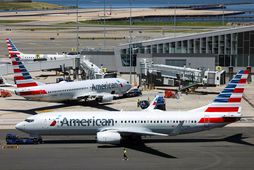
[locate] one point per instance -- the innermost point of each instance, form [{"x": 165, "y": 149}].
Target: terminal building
[{"x": 228, "y": 48}]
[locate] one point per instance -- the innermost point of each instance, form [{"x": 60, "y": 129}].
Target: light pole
[
  {"x": 104, "y": 29},
  {"x": 77, "y": 59},
  {"x": 130, "y": 42},
  {"x": 175, "y": 21},
  {"x": 223, "y": 19},
  {"x": 77, "y": 26}
]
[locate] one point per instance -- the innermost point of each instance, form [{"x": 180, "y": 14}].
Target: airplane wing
[
  {"x": 135, "y": 131},
  {"x": 101, "y": 97}
]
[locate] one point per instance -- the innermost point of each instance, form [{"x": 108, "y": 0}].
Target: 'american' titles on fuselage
[{"x": 87, "y": 122}]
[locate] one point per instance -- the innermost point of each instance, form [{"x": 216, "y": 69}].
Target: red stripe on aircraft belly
[
  {"x": 222, "y": 109},
  {"x": 234, "y": 100},
  {"x": 33, "y": 92},
  {"x": 27, "y": 84},
  {"x": 219, "y": 119}
]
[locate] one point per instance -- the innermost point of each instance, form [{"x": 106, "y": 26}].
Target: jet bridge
[
  {"x": 160, "y": 74},
  {"x": 92, "y": 71}
]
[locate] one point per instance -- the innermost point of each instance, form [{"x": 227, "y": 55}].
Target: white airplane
[
  {"x": 36, "y": 57},
  {"x": 113, "y": 127},
  {"x": 103, "y": 90}
]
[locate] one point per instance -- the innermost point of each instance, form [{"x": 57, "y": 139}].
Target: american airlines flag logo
[{"x": 53, "y": 123}]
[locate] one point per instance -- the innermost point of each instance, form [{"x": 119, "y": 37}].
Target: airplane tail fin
[
  {"x": 157, "y": 101},
  {"x": 229, "y": 99},
  {"x": 12, "y": 48},
  {"x": 22, "y": 77}
]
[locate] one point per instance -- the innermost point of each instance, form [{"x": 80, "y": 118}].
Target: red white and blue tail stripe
[
  {"x": 22, "y": 78},
  {"x": 12, "y": 48},
  {"x": 230, "y": 98}
]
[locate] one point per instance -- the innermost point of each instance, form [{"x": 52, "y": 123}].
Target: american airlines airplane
[
  {"x": 114, "y": 127},
  {"x": 35, "y": 57},
  {"x": 102, "y": 90}
]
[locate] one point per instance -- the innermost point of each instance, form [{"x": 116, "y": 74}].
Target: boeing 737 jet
[
  {"x": 113, "y": 127},
  {"x": 35, "y": 57},
  {"x": 103, "y": 90}
]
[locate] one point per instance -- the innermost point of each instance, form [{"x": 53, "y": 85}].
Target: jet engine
[
  {"x": 108, "y": 137},
  {"x": 104, "y": 99}
]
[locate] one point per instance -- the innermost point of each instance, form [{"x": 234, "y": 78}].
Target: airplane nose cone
[{"x": 20, "y": 126}]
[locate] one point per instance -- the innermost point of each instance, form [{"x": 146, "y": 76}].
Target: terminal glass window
[
  {"x": 148, "y": 49},
  {"x": 166, "y": 48},
  {"x": 142, "y": 50},
  {"x": 125, "y": 58},
  {"x": 176, "y": 62},
  {"x": 191, "y": 46},
  {"x": 203, "y": 45},
  {"x": 160, "y": 48},
  {"x": 197, "y": 46},
  {"x": 178, "y": 47},
  {"x": 215, "y": 45},
  {"x": 172, "y": 47},
  {"x": 210, "y": 45},
  {"x": 185, "y": 46},
  {"x": 154, "y": 49}
]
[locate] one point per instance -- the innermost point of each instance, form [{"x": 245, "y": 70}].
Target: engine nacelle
[
  {"x": 105, "y": 99},
  {"x": 108, "y": 137}
]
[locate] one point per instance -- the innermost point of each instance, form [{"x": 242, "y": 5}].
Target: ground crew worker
[
  {"x": 125, "y": 157},
  {"x": 138, "y": 103}
]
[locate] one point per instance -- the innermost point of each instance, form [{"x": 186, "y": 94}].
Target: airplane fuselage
[
  {"x": 89, "y": 123},
  {"x": 74, "y": 90}
]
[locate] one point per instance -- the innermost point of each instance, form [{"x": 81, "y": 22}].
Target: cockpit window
[{"x": 29, "y": 120}]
